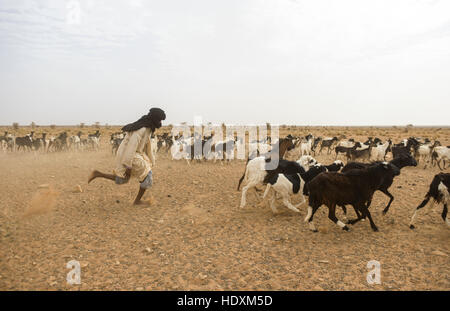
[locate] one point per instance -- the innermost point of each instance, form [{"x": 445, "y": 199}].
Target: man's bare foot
[
  {"x": 148, "y": 202},
  {"x": 93, "y": 176},
  {"x": 142, "y": 203}
]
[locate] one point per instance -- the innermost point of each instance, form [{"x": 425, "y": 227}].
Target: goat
[
  {"x": 327, "y": 143},
  {"x": 259, "y": 147},
  {"x": 335, "y": 166},
  {"x": 39, "y": 142},
  {"x": 440, "y": 153},
  {"x": 195, "y": 150},
  {"x": 366, "y": 144},
  {"x": 360, "y": 154},
  {"x": 400, "y": 162},
  {"x": 25, "y": 142},
  {"x": 116, "y": 140},
  {"x": 165, "y": 143},
  {"x": 285, "y": 184},
  {"x": 379, "y": 152},
  {"x": 404, "y": 147},
  {"x": 315, "y": 144},
  {"x": 60, "y": 142},
  {"x": 255, "y": 172},
  {"x": 224, "y": 149},
  {"x": 93, "y": 140},
  {"x": 306, "y": 146},
  {"x": 75, "y": 141},
  {"x": 3, "y": 138},
  {"x": 439, "y": 192},
  {"x": 346, "y": 150},
  {"x": 286, "y": 180},
  {"x": 424, "y": 152},
  {"x": 347, "y": 143},
  {"x": 4, "y": 141},
  {"x": 354, "y": 187}
]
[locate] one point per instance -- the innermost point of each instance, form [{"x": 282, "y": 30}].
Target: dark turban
[{"x": 151, "y": 120}]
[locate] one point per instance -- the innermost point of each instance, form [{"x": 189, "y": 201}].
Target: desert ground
[{"x": 194, "y": 236}]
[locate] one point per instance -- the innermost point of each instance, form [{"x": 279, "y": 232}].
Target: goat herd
[
  {"x": 46, "y": 143},
  {"x": 331, "y": 185},
  {"x": 297, "y": 172}
]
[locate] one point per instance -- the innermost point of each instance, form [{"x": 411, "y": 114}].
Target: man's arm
[{"x": 149, "y": 149}]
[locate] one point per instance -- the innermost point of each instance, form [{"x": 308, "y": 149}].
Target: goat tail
[
  {"x": 305, "y": 189},
  {"x": 314, "y": 196},
  {"x": 433, "y": 191},
  {"x": 243, "y": 176},
  {"x": 434, "y": 157},
  {"x": 267, "y": 191}
]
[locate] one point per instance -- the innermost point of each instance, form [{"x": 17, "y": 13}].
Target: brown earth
[{"x": 194, "y": 236}]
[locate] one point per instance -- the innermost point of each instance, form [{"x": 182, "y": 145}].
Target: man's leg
[
  {"x": 96, "y": 174},
  {"x": 145, "y": 184},
  {"x": 138, "y": 201},
  {"x": 117, "y": 179}
]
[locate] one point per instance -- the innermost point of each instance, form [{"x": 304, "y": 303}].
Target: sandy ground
[{"x": 194, "y": 236}]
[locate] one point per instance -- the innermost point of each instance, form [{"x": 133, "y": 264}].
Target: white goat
[
  {"x": 424, "y": 152},
  {"x": 255, "y": 172},
  {"x": 441, "y": 153},
  {"x": 379, "y": 152},
  {"x": 305, "y": 146}
]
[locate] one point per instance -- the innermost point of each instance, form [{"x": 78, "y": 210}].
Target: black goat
[
  {"x": 354, "y": 187},
  {"x": 25, "y": 142},
  {"x": 335, "y": 166},
  {"x": 399, "y": 149},
  {"x": 60, "y": 142},
  {"x": 400, "y": 162}
]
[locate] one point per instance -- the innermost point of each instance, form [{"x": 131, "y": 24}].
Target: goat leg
[
  {"x": 424, "y": 202},
  {"x": 444, "y": 214},
  {"x": 391, "y": 198},
  {"x": 344, "y": 210},
  {"x": 359, "y": 214},
  {"x": 333, "y": 218},
  {"x": 367, "y": 213}
]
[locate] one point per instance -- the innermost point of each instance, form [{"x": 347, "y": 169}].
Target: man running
[{"x": 134, "y": 156}]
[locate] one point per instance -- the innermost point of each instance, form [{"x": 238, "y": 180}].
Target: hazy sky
[{"x": 238, "y": 61}]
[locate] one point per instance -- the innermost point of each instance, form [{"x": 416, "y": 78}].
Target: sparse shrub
[
  {"x": 52, "y": 126},
  {"x": 15, "y": 125}
]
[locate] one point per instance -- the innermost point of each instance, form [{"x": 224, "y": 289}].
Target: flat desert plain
[{"x": 194, "y": 236}]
